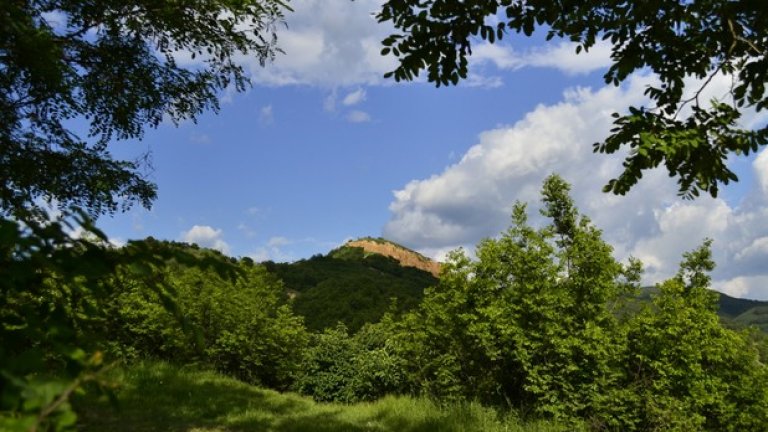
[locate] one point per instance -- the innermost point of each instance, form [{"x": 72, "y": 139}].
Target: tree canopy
[
  {"x": 679, "y": 41},
  {"x": 117, "y": 65}
]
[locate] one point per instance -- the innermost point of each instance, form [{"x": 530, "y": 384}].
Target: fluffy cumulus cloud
[
  {"x": 206, "y": 236},
  {"x": 328, "y": 43},
  {"x": 472, "y": 198},
  {"x": 561, "y": 56},
  {"x": 354, "y": 98}
]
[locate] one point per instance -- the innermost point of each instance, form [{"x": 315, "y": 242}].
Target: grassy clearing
[{"x": 162, "y": 397}]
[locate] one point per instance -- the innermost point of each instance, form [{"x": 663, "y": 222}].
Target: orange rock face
[{"x": 407, "y": 258}]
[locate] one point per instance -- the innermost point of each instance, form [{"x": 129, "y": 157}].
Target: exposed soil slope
[{"x": 405, "y": 256}]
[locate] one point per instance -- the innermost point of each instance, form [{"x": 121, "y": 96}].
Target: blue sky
[{"x": 323, "y": 149}]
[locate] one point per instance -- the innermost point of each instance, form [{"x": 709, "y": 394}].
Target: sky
[{"x": 323, "y": 149}]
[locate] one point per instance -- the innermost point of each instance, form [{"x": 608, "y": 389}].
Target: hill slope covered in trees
[{"x": 353, "y": 286}]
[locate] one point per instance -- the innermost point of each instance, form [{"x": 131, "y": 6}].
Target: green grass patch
[{"x": 161, "y": 397}]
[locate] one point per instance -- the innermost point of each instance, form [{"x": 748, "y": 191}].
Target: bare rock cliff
[{"x": 406, "y": 257}]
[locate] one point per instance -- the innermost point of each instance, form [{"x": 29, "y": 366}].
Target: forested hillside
[{"x": 351, "y": 286}]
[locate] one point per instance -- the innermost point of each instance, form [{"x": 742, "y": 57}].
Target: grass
[{"x": 161, "y": 397}]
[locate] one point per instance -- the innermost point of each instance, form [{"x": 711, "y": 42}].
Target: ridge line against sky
[{"x": 322, "y": 149}]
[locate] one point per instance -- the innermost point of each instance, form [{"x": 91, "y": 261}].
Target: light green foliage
[
  {"x": 684, "y": 43},
  {"x": 539, "y": 322},
  {"x": 112, "y": 63},
  {"x": 529, "y": 322},
  {"x": 236, "y": 323},
  {"x": 687, "y": 371},
  {"x": 343, "y": 368}
]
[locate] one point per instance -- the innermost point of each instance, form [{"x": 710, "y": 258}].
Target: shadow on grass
[
  {"x": 165, "y": 398},
  {"x": 160, "y": 397}
]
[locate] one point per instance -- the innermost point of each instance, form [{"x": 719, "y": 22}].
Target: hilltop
[
  {"x": 406, "y": 257},
  {"x": 356, "y": 283}
]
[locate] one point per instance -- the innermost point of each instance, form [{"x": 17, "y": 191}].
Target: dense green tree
[
  {"x": 113, "y": 64},
  {"x": 675, "y": 40},
  {"x": 236, "y": 323},
  {"x": 530, "y": 322},
  {"x": 687, "y": 371}
]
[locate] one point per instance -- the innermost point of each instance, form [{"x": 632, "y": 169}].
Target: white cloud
[
  {"x": 328, "y": 43},
  {"x": 329, "y": 104},
  {"x": 246, "y": 230},
  {"x": 337, "y": 43},
  {"x": 761, "y": 169},
  {"x": 745, "y": 287},
  {"x": 472, "y": 198},
  {"x": 78, "y": 232},
  {"x": 561, "y": 56},
  {"x": 206, "y": 236},
  {"x": 358, "y": 116},
  {"x": 354, "y": 98},
  {"x": 284, "y": 249},
  {"x": 278, "y": 242},
  {"x": 199, "y": 138},
  {"x": 266, "y": 115}
]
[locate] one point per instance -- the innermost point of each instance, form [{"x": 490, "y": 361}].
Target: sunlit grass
[{"x": 161, "y": 397}]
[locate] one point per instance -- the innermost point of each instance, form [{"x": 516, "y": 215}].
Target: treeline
[{"x": 537, "y": 323}]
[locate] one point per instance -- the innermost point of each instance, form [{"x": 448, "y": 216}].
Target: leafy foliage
[
  {"x": 675, "y": 40},
  {"x": 530, "y": 322},
  {"x": 54, "y": 291},
  {"x": 343, "y": 368},
  {"x": 686, "y": 370},
  {"x": 114, "y": 64}
]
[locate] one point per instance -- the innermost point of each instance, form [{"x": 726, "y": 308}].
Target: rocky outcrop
[{"x": 406, "y": 257}]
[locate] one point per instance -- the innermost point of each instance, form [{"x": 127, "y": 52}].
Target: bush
[{"x": 343, "y": 368}]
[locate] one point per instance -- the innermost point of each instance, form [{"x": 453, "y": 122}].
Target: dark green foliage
[
  {"x": 112, "y": 63},
  {"x": 54, "y": 295},
  {"x": 675, "y": 40},
  {"x": 350, "y": 287},
  {"x": 732, "y": 307},
  {"x": 235, "y": 323},
  {"x": 47, "y": 280}
]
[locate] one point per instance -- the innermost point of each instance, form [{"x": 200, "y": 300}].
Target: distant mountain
[
  {"x": 356, "y": 283},
  {"x": 734, "y": 312}
]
